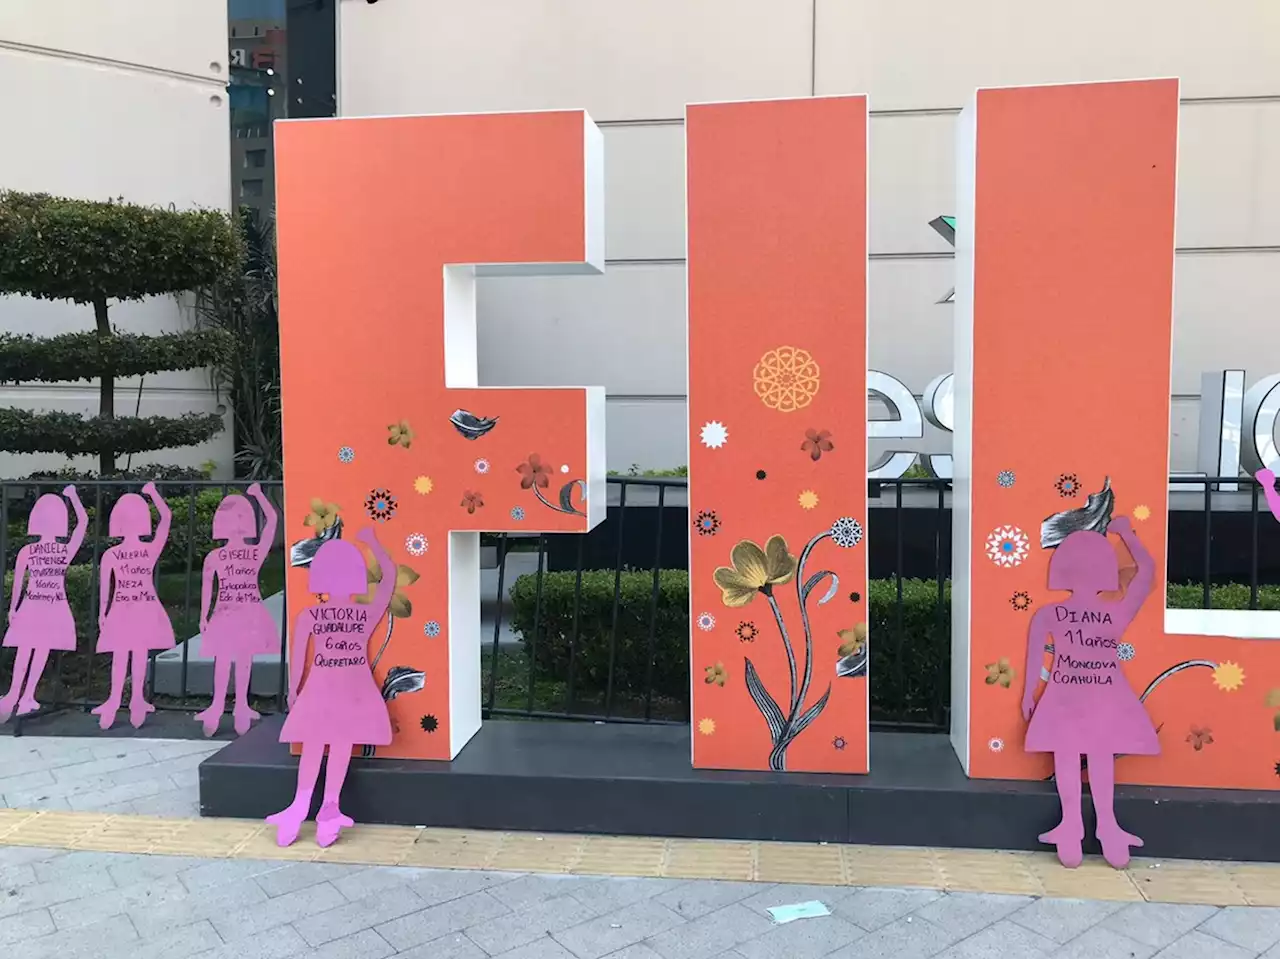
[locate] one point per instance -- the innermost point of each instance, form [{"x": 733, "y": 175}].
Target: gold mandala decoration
[{"x": 786, "y": 379}]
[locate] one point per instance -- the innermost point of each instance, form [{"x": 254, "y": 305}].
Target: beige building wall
[
  {"x": 634, "y": 66},
  {"x": 102, "y": 100}
]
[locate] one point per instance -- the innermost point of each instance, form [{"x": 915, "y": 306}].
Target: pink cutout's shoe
[
  {"x": 244, "y": 719},
  {"x": 1068, "y": 839},
  {"x": 26, "y": 706},
  {"x": 106, "y": 714},
  {"x": 330, "y": 822},
  {"x": 209, "y": 720},
  {"x": 1116, "y": 844},
  {"x": 138, "y": 713},
  {"x": 288, "y": 823}
]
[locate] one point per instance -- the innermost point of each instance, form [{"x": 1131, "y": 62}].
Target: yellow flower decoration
[
  {"x": 400, "y": 605},
  {"x": 399, "y": 434},
  {"x": 1142, "y": 513},
  {"x": 716, "y": 675},
  {"x": 1228, "y": 676},
  {"x": 1000, "y": 672},
  {"x": 754, "y": 570},
  {"x": 786, "y": 379},
  {"x": 808, "y": 499},
  {"x": 707, "y": 726},
  {"x": 423, "y": 485},
  {"x": 322, "y": 516},
  {"x": 852, "y": 640}
]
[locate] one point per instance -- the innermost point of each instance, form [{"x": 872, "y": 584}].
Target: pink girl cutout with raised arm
[
  {"x": 40, "y": 619},
  {"x": 239, "y": 627},
  {"x": 340, "y": 705},
  {"x": 1088, "y": 707},
  {"x": 131, "y": 619}
]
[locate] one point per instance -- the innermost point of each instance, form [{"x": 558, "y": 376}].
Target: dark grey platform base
[{"x": 636, "y": 780}]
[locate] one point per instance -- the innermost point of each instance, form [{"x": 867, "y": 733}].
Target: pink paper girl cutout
[
  {"x": 131, "y": 619},
  {"x": 1088, "y": 707},
  {"x": 240, "y": 627},
  {"x": 40, "y": 619},
  {"x": 340, "y": 705},
  {"x": 1267, "y": 480}
]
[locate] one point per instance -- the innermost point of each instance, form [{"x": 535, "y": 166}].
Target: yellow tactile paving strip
[{"x": 958, "y": 870}]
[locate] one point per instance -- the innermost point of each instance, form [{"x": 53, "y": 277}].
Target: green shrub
[
  {"x": 58, "y": 248},
  {"x": 629, "y": 648},
  {"x": 910, "y": 657}
]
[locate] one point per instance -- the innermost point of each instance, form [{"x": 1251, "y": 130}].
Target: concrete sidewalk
[{"x": 223, "y": 889}]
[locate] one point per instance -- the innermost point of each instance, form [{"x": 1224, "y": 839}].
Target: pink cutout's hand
[
  {"x": 1266, "y": 478},
  {"x": 1028, "y": 706},
  {"x": 150, "y": 490},
  {"x": 68, "y": 491},
  {"x": 1120, "y": 525},
  {"x": 367, "y": 535},
  {"x": 255, "y": 490}
]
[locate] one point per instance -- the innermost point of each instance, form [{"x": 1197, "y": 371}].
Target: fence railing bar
[{"x": 617, "y": 599}]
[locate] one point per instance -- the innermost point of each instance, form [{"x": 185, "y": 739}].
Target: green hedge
[
  {"x": 71, "y": 357},
  {"x": 910, "y": 658},
  {"x": 59, "y": 248},
  {"x": 24, "y": 431}
]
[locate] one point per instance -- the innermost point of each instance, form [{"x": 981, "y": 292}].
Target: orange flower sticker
[{"x": 786, "y": 379}]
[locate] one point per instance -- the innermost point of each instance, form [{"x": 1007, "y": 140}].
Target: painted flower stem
[
  {"x": 550, "y": 505},
  {"x": 391, "y": 623},
  {"x": 789, "y": 730}
]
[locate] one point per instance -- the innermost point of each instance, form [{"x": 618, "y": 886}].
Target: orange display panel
[
  {"x": 777, "y": 240},
  {"x": 383, "y": 226},
  {"x": 1065, "y": 256}
]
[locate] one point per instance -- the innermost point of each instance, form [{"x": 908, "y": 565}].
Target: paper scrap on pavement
[{"x": 798, "y": 910}]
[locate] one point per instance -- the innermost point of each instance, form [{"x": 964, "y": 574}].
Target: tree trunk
[{"x": 106, "y": 388}]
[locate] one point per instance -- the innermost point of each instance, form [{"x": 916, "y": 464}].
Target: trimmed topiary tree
[{"x": 93, "y": 253}]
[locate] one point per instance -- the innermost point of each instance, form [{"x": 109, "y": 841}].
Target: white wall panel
[
  {"x": 619, "y": 60},
  {"x": 183, "y": 36},
  {"x": 934, "y": 54}
]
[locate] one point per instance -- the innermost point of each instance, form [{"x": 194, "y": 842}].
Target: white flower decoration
[
  {"x": 346, "y": 454},
  {"x": 1007, "y": 546},
  {"x": 846, "y": 532},
  {"x": 996, "y": 744},
  {"x": 482, "y": 466},
  {"x": 1006, "y": 478},
  {"x": 1125, "y": 651},
  {"x": 706, "y": 622},
  {"x": 415, "y": 544},
  {"x": 714, "y": 435}
]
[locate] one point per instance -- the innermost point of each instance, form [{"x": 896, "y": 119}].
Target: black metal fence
[{"x": 596, "y": 627}]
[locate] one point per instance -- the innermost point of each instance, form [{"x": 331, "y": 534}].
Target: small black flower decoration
[
  {"x": 430, "y": 724},
  {"x": 839, "y": 743},
  {"x": 380, "y": 505},
  {"x": 747, "y": 632},
  {"x": 855, "y": 597},
  {"x": 1068, "y": 485},
  {"x": 1020, "y": 601},
  {"x": 707, "y": 523},
  {"x": 761, "y": 474},
  {"x": 1278, "y": 769}
]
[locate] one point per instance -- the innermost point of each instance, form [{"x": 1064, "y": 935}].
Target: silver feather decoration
[{"x": 1095, "y": 515}]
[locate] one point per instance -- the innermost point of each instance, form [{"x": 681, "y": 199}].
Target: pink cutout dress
[
  {"x": 136, "y": 621},
  {"x": 43, "y": 619},
  {"x": 240, "y": 627},
  {"x": 339, "y": 701},
  {"x": 1088, "y": 705}
]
